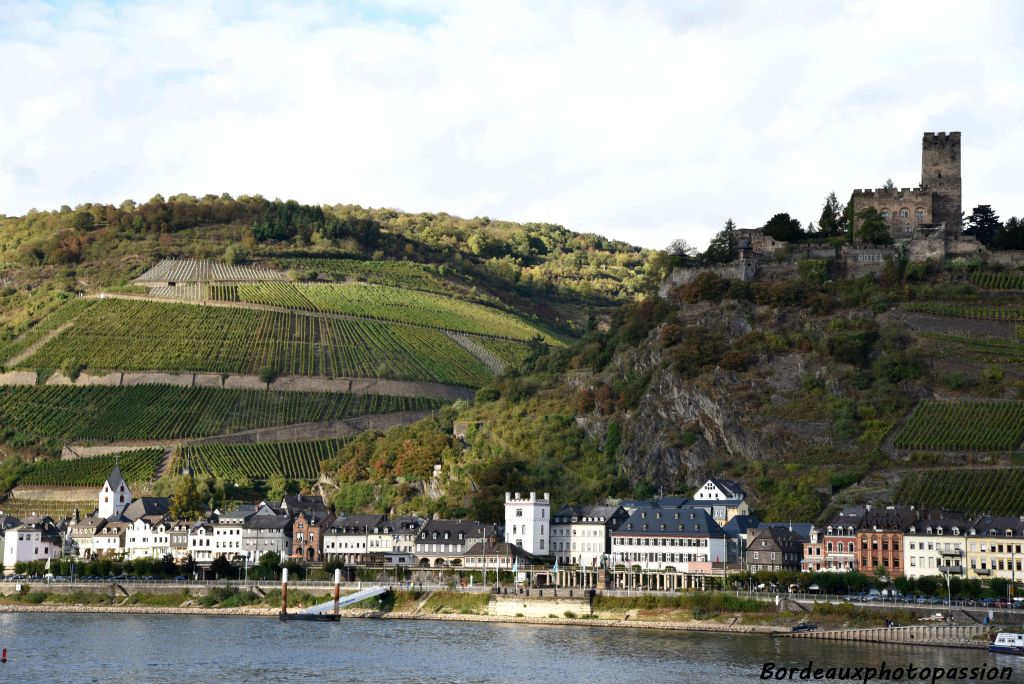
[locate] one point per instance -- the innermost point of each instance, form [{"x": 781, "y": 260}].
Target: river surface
[{"x": 134, "y": 649}]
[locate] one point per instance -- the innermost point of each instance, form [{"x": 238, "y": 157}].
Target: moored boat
[{"x": 1008, "y": 642}]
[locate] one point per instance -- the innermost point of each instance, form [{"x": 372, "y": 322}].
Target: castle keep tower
[
  {"x": 527, "y": 520},
  {"x": 940, "y": 173}
]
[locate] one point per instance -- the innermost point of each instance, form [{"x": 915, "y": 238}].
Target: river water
[{"x": 53, "y": 647}]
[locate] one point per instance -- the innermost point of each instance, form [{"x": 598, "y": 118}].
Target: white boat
[{"x": 1008, "y": 642}]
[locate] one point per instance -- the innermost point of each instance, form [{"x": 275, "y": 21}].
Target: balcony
[
  {"x": 954, "y": 553},
  {"x": 951, "y": 569},
  {"x": 984, "y": 572}
]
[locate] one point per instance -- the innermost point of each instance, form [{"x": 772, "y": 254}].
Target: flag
[
  {"x": 515, "y": 566},
  {"x": 556, "y": 566}
]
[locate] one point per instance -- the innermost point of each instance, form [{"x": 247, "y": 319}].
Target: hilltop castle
[
  {"x": 925, "y": 223},
  {"x": 932, "y": 207}
]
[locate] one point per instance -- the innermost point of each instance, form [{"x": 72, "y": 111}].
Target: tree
[
  {"x": 278, "y": 486},
  {"x": 221, "y": 567},
  {"x": 784, "y": 228},
  {"x": 831, "y": 221},
  {"x": 235, "y": 254},
  {"x": 267, "y": 375},
  {"x": 723, "y": 248},
  {"x": 680, "y": 248},
  {"x": 873, "y": 228},
  {"x": 889, "y": 185},
  {"x": 1011, "y": 236},
  {"x": 186, "y": 503},
  {"x": 984, "y": 225}
]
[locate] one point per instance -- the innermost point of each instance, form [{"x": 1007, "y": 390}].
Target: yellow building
[{"x": 995, "y": 549}]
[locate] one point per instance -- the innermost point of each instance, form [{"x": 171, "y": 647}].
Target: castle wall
[{"x": 916, "y": 203}]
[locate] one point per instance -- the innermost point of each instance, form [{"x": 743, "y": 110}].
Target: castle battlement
[
  {"x": 532, "y": 498},
  {"x": 951, "y": 135},
  {"x": 883, "y": 193}
]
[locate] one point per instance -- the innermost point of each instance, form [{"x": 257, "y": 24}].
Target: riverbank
[
  {"x": 258, "y": 611},
  {"x": 733, "y": 626}
]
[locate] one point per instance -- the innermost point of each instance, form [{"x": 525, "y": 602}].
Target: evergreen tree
[
  {"x": 723, "y": 248},
  {"x": 831, "y": 221},
  {"x": 1011, "y": 235},
  {"x": 984, "y": 225}
]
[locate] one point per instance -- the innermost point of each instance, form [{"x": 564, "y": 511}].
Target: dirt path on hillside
[
  {"x": 483, "y": 355},
  {"x": 37, "y": 345},
  {"x": 331, "y": 429}
]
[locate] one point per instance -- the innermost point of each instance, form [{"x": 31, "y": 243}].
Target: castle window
[
  {"x": 904, "y": 213},
  {"x": 919, "y": 214},
  {"x": 885, "y": 214}
]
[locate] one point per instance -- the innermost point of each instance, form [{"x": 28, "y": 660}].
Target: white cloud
[{"x": 642, "y": 121}]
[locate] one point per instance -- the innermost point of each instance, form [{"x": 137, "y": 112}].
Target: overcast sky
[{"x": 643, "y": 121}]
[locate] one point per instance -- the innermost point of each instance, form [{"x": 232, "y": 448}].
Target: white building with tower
[
  {"x": 115, "y": 495},
  {"x": 528, "y": 522}
]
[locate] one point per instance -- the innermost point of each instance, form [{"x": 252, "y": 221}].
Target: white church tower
[
  {"x": 115, "y": 495},
  {"x": 528, "y": 522}
]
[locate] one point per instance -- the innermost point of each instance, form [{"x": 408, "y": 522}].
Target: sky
[{"x": 640, "y": 121}]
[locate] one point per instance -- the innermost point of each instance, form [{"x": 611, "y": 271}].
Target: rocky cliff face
[{"x": 681, "y": 426}]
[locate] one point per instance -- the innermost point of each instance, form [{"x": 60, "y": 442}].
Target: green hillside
[
  {"x": 384, "y": 303},
  {"x": 134, "y": 335},
  {"x": 973, "y": 492},
  {"x": 296, "y": 460},
  {"x": 91, "y": 471},
  {"x": 162, "y": 412}
]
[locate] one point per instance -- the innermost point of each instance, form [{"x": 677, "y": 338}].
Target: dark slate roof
[
  {"x": 938, "y": 518},
  {"x": 730, "y": 488},
  {"x": 853, "y": 515},
  {"x": 680, "y": 522},
  {"x": 802, "y": 530},
  {"x": 147, "y": 505},
  {"x": 468, "y": 528},
  {"x": 406, "y": 523},
  {"x": 672, "y": 501},
  {"x": 889, "y": 518},
  {"x": 995, "y": 526},
  {"x": 8, "y": 521},
  {"x": 597, "y": 513},
  {"x": 268, "y": 522},
  {"x": 739, "y": 524},
  {"x": 356, "y": 524},
  {"x": 115, "y": 479},
  {"x": 781, "y": 535},
  {"x": 304, "y": 502},
  {"x": 502, "y": 550}
]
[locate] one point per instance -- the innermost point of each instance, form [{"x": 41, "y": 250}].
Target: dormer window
[{"x": 938, "y": 531}]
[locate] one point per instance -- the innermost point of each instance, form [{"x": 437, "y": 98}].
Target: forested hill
[{"x": 539, "y": 270}]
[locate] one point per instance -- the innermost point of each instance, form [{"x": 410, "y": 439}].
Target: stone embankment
[
  {"x": 250, "y": 611},
  {"x": 284, "y": 383}
]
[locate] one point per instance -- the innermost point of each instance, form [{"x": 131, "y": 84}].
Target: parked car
[{"x": 805, "y": 627}]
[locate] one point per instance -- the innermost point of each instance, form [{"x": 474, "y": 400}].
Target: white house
[
  {"x": 200, "y": 542},
  {"x": 936, "y": 544},
  {"x": 685, "y": 540},
  {"x": 723, "y": 499},
  {"x": 348, "y": 538},
  {"x": 227, "y": 532},
  {"x": 114, "y": 496},
  {"x": 148, "y": 537},
  {"x": 581, "y": 535},
  {"x": 36, "y": 538},
  {"x": 527, "y": 522}
]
